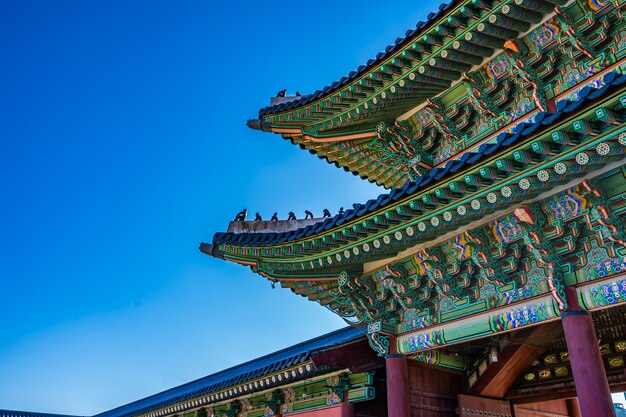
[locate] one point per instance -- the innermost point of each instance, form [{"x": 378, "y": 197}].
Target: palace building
[{"x": 489, "y": 279}]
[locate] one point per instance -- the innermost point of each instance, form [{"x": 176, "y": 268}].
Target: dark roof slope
[{"x": 237, "y": 374}]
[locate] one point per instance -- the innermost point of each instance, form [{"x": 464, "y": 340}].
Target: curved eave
[
  {"x": 422, "y": 64},
  {"x": 398, "y": 201},
  {"x": 364, "y": 70},
  {"x": 429, "y": 60}
]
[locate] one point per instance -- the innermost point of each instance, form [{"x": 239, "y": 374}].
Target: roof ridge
[{"x": 421, "y": 26}]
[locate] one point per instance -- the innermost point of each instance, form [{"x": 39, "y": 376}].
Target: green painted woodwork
[
  {"x": 571, "y": 47},
  {"x": 320, "y": 389},
  {"x": 327, "y": 252},
  {"x": 468, "y": 286},
  {"x": 492, "y": 247},
  {"x": 514, "y": 317},
  {"x": 447, "y": 359}
]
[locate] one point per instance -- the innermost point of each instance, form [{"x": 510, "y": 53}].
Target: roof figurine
[
  {"x": 241, "y": 216},
  {"x": 274, "y": 217},
  {"x": 291, "y": 216},
  {"x": 258, "y": 218},
  {"x": 326, "y": 214},
  {"x": 308, "y": 215},
  {"x": 282, "y": 93}
]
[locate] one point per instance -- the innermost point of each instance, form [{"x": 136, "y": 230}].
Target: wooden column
[
  {"x": 347, "y": 408},
  {"x": 397, "y": 384},
  {"x": 592, "y": 385},
  {"x": 572, "y": 407}
]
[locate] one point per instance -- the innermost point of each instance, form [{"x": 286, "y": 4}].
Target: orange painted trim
[
  {"x": 298, "y": 279},
  {"x": 286, "y": 130},
  {"x": 342, "y": 138},
  {"x": 240, "y": 262}
]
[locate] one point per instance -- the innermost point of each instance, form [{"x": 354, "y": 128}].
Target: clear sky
[{"x": 123, "y": 145}]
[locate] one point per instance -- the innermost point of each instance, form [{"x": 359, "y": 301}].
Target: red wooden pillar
[
  {"x": 592, "y": 385},
  {"x": 397, "y": 383},
  {"x": 347, "y": 408}
]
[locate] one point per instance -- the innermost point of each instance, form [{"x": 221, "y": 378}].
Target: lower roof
[{"x": 255, "y": 368}]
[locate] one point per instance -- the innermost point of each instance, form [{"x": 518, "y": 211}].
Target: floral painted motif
[
  {"x": 524, "y": 105},
  {"x": 521, "y": 316},
  {"x": 498, "y": 66},
  {"x": 333, "y": 399},
  {"x": 430, "y": 357},
  {"x": 506, "y": 229},
  {"x": 543, "y": 35},
  {"x": 382, "y": 276},
  {"x": 423, "y": 117},
  {"x": 413, "y": 322},
  {"x": 608, "y": 294},
  {"x": 576, "y": 77},
  {"x": 423, "y": 341},
  {"x": 600, "y": 264},
  {"x": 449, "y": 148},
  {"x": 564, "y": 206},
  {"x": 457, "y": 248}
]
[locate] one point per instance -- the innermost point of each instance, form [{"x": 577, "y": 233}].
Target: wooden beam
[
  {"x": 513, "y": 361},
  {"x": 357, "y": 356}
]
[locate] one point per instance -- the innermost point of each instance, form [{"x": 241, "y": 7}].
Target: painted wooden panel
[{"x": 432, "y": 392}]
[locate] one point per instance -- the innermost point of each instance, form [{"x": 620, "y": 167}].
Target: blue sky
[{"x": 123, "y": 145}]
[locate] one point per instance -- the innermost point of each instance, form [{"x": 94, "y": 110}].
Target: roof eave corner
[
  {"x": 211, "y": 250},
  {"x": 258, "y": 124}
]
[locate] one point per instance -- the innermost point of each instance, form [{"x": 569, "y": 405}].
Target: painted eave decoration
[
  {"x": 515, "y": 166},
  {"x": 500, "y": 129},
  {"x": 358, "y": 122}
]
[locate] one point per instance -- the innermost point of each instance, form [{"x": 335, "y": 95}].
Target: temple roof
[
  {"x": 363, "y": 69},
  {"x": 255, "y": 368},
  {"x": 612, "y": 82},
  {"x": 338, "y": 123}
]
